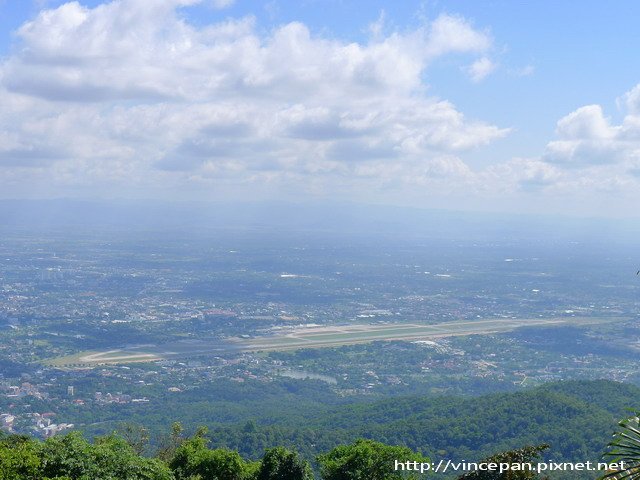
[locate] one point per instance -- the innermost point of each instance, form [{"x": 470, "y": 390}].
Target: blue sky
[{"x": 526, "y": 106}]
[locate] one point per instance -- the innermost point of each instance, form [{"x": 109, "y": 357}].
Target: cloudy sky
[{"x": 491, "y": 105}]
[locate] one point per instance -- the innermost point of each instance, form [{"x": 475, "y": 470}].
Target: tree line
[{"x": 119, "y": 456}]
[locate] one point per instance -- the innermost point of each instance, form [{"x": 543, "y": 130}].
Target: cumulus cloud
[
  {"x": 131, "y": 49},
  {"x": 130, "y": 93},
  {"x": 584, "y": 124},
  {"x": 588, "y": 137},
  {"x": 592, "y": 155}
]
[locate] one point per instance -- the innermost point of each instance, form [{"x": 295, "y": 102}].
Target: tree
[
  {"x": 135, "y": 435},
  {"x": 18, "y": 458},
  {"x": 367, "y": 460},
  {"x": 169, "y": 443},
  {"x": 192, "y": 459},
  {"x": 515, "y": 458},
  {"x": 109, "y": 457},
  {"x": 281, "y": 464}
]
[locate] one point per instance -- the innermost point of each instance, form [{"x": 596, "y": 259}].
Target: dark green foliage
[
  {"x": 71, "y": 457},
  {"x": 193, "y": 459},
  {"x": 515, "y": 458},
  {"x": 575, "y": 418},
  {"x": 366, "y": 460},
  {"x": 572, "y": 416},
  {"x": 19, "y": 458},
  {"x": 279, "y": 463},
  {"x": 108, "y": 457}
]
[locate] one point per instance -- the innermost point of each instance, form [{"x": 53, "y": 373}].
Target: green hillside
[{"x": 576, "y": 418}]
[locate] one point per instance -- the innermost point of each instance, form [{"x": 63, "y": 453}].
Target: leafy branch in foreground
[{"x": 625, "y": 448}]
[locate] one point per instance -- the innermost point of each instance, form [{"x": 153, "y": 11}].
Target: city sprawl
[{"x": 98, "y": 328}]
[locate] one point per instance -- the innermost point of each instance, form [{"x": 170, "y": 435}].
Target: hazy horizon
[{"x": 201, "y": 219}]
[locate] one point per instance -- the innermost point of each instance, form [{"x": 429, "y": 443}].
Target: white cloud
[
  {"x": 586, "y": 137},
  {"x": 479, "y": 69},
  {"x": 593, "y": 161},
  {"x": 129, "y": 95},
  {"x": 376, "y": 28},
  {"x": 220, "y": 4},
  {"x": 632, "y": 100},
  {"x": 525, "y": 71},
  {"x": 131, "y": 49},
  {"x": 584, "y": 124},
  {"x": 449, "y": 33},
  {"x": 522, "y": 174}
]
